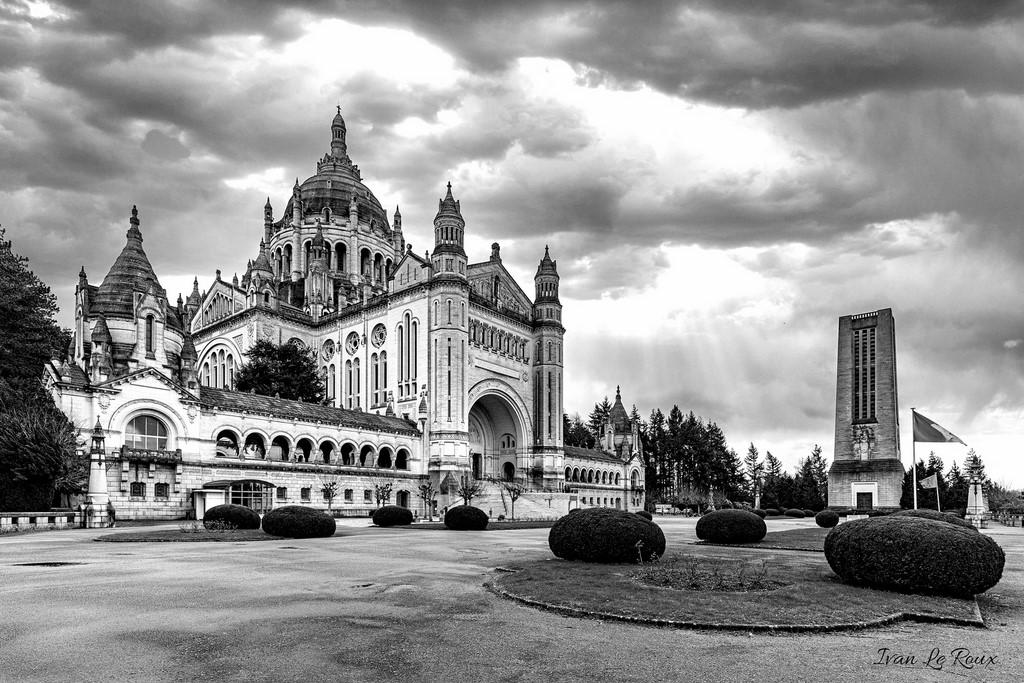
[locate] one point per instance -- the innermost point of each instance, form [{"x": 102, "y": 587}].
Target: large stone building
[
  {"x": 434, "y": 368},
  {"x": 866, "y": 472}
]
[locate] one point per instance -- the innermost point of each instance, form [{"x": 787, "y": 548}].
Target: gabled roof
[
  {"x": 479, "y": 271},
  {"x": 238, "y": 401},
  {"x": 591, "y": 454},
  {"x": 148, "y": 372}
]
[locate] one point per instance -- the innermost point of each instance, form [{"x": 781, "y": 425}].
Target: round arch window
[{"x": 146, "y": 432}]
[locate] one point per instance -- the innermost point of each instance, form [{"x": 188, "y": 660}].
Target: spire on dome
[{"x": 339, "y": 148}]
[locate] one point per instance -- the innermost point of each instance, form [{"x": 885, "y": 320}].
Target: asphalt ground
[{"x": 388, "y": 605}]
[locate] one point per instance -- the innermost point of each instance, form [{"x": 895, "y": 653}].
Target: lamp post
[{"x": 97, "y": 499}]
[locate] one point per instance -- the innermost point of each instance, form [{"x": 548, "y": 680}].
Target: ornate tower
[
  {"x": 866, "y": 472},
  {"x": 547, "y": 371},
  {"x": 448, "y": 341}
]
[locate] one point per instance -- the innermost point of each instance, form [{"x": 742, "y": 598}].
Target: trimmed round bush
[
  {"x": 947, "y": 517},
  {"x": 731, "y": 526},
  {"x": 796, "y": 514},
  {"x": 392, "y": 515},
  {"x": 760, "y": 513},
  {"x": 772, "y": 512},
  {"x": 808, "y": 512},
  {"x": 465, "y": 518},
  {"x": 606, "y": 535},
  {"x": 826, "y": 519},
  {"x": 914, "y": 555},
  {"x": 646, "y": 515},
  {"x": 295, "y": 521},
  {"x": 239, "y": 516}
]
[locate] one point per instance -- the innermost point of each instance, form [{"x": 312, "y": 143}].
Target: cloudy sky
[{"x": 718, "y": 181}]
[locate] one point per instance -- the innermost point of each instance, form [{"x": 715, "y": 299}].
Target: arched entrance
[{"x": 498, "y": 441}]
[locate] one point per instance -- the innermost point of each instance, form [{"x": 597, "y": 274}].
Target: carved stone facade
[{"x": 434, "y": 367}]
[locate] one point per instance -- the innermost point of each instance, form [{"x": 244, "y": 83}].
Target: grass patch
[
  {"x": 179, "y": 536},
  {"x": 807, "y": 594},
  {"x": 810, "y": 539},
  {"x": 491, "y": 526}
]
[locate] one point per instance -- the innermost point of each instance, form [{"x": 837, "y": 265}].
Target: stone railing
[{"x": 24, "y": 521}]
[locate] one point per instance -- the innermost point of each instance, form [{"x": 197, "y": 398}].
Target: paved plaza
[{"x": 381, "y": 605}]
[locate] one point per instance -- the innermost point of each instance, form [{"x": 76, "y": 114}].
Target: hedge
[
  {"x": 827, "y": 519},
  {"x": 808, "y": 512},
  {"x": 645, "y": 514},
  {"x": 947, "y": 517},
  {"x": 772, "y": 512},
  {"x": 465, "y": 518},
  {"x": 731, "y": 526},
  {"x": 760, "y": 513},
  {"x": 606, "y": 535},
  {"x": 392, "y": 515},
  {"x": 238, "y": 516},
  {"x": 295, "y": 521},
  {"x": 914, "y": 555},
  {"x": 796, "y": 514}
]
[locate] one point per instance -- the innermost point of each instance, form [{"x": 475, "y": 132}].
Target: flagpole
[{"x": 913, "y": 454}]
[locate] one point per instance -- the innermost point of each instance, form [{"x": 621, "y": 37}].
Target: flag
[
  {"x": 927, "y": 431},
  {"x": 930, "y": 482}
]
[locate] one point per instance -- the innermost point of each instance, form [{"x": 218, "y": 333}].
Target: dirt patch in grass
[
  {"x": 810, "y": 598},
  {"x": 178, "y": 536},
  {"x": 809, "y": 539}
]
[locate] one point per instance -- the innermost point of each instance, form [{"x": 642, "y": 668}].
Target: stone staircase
[{"x": 531, "y": 505}]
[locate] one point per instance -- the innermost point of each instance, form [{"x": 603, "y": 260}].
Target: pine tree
[
  {"x": 819, "y": 467},
  {"x": 753, "y": 470},
  {"x": 597, "y": 418},
  {"x": 956, "y": 489},
  {"x": 661, "y": 484}
]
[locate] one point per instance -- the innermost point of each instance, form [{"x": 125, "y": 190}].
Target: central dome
[{"x": 336, "y": 183}]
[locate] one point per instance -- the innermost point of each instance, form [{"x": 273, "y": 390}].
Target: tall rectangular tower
[{"x": 867, "y": 471}]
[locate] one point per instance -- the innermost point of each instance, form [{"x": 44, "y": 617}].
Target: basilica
[{"x": 436, "y": 369}]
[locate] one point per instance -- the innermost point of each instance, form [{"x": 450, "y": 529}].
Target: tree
[
  {"x": 41, "y": 461},
  {"x": 956, "y": 489},
  {"x": 753, "y": 469},
  {"x": 428, "y": 492},
  {"x": 28, "y": 332},
  {"x": 819, "y": 468},
  {"x": 807, "y": 495},
  {"x": 288, "y": 370},
  {"x": 576, "y": 433},
  {"x": 40, "y": 455},
  {"x": 514, "y": 489},
  {"x": 660, "y": 485},
  {"x": 330, "y": 484},
  {"x": 597, "y": 418},
  {"x": 469, "y": 488}
]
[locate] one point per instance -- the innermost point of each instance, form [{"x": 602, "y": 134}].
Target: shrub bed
[
  {"x": 392, "y": 515},
  {"x": 646, "y": 515},
  {"x": 914, "y": 555},
  {"x": 465, "y": 518},
  {"x": 794, "y": 513},
  {"x": 947, "y": 517},
  {"x": 607, "y": 536},
  {"x": 826, "y": 519},
  {"x": 731, "y": 526},
  {"x": 239, "y": 516},
  {"x": 759, "y": 512},
  {"x": 295, "y": 521}
]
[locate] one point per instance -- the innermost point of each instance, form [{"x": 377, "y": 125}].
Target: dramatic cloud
[{"x": 718, "y": 181}]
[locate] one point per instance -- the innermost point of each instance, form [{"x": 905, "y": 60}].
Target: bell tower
[{"x": 547, "y": 371}]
